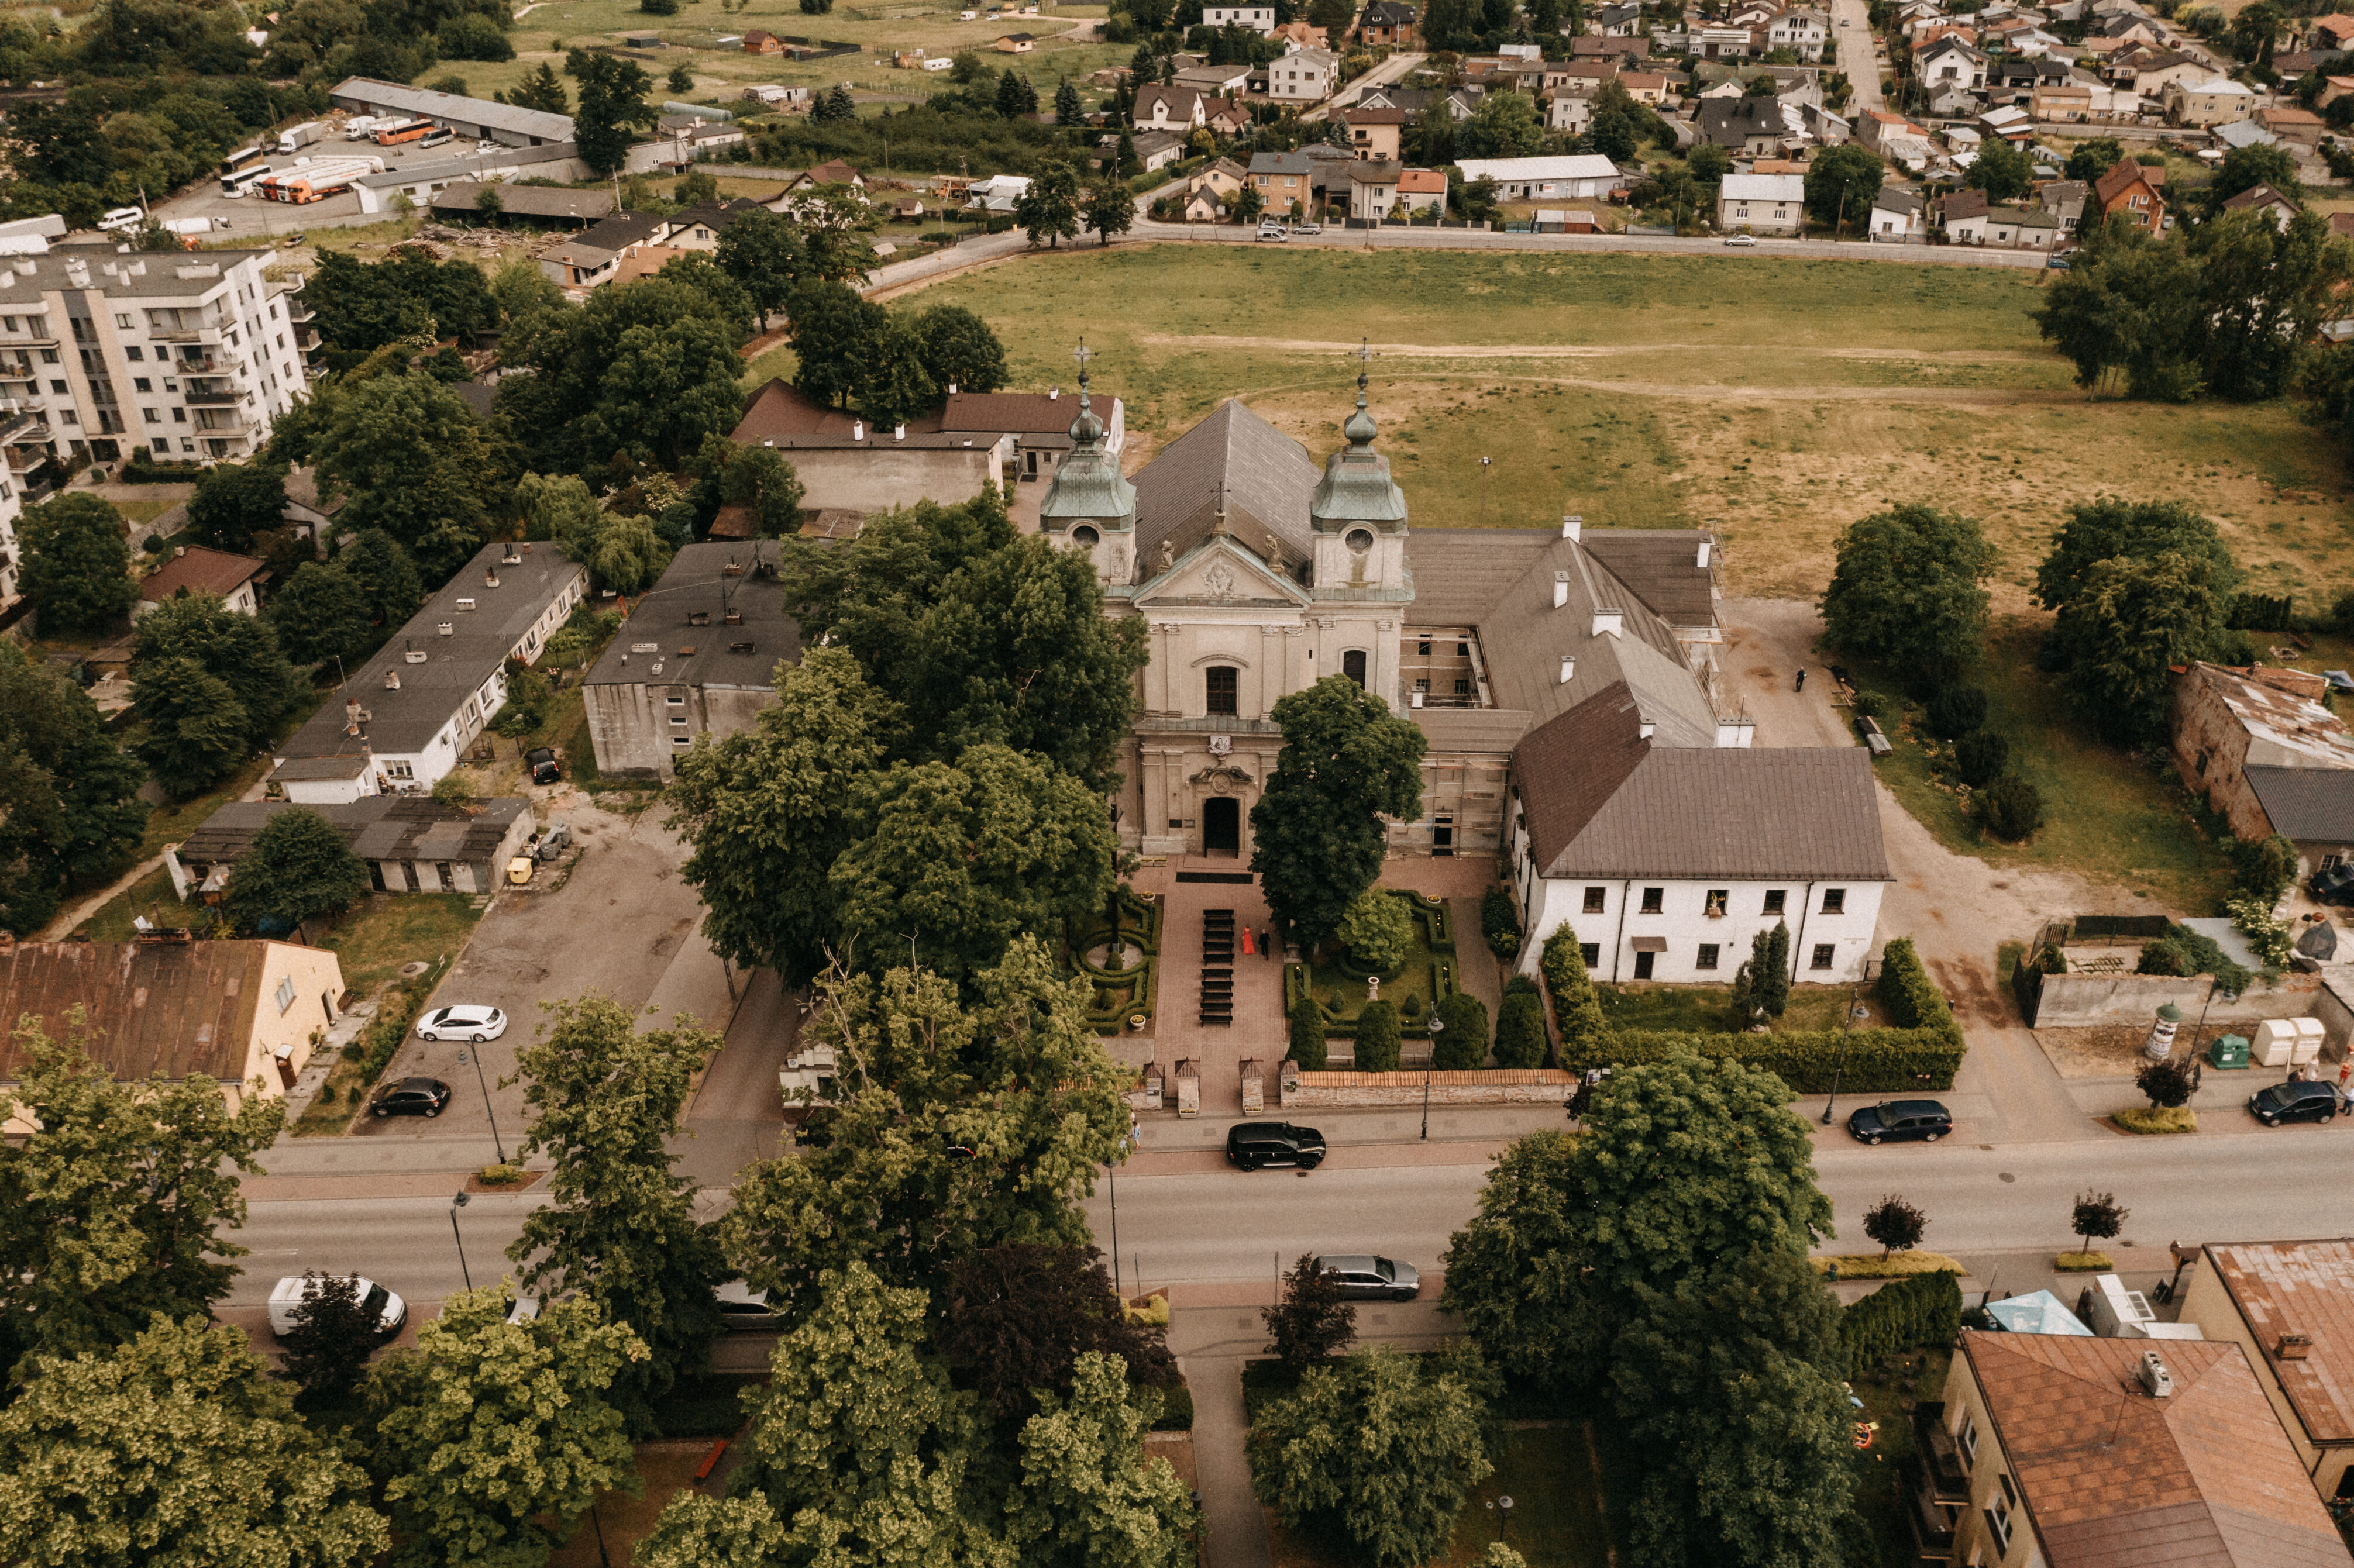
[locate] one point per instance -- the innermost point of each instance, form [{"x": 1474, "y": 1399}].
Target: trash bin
[{"x": 2228, "y": 1051}]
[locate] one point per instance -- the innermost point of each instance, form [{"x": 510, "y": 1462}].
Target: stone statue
[
  {"x": 1373, "y": 988},
  {"x": 1168, "y": 554},
  {"x": 1275, "y": 552}
]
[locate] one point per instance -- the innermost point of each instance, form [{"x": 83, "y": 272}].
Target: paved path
[
  {"x": 1258, "y": 1030},
  {"x": 1852, "y": 31},
  {"x": 1395, "y": 68}
]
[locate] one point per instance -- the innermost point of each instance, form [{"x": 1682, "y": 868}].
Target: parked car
[
  {"x": 2298, "y": 1102},
  {"x": 1363, "y": 1277},
  {"x": 1897, "y": 1119},
  {"x": 743, "y": 1307},
  {"x": 1273, "y": 231},
  {"x": 1251, "y": 1144},
  {"x": 2333, "y": 884},
  {"x": 388, "y": 1310},
  {"x": 542, "y": 763},
  {"x": 411, "y": 1097},
  {"x": 1307, "y": 228},
  {"x": 2055, "y": 264},
  {"x": 1741, "y": 239},
  {"x": 474, "y": 1023}
]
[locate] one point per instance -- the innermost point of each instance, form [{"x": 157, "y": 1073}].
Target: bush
[
  {"x": 1868, "y": 704},
  {"x": 1520, "y": 1031},
  {"x": 1955, "y": 711},
  {"x": 1378, "y": 1038},
  {"x": 2166, "y": 1084},
  {"x": 1500, "y": 922},
  {"x": 1924, "y": 1310},
  {"x": 1462, "y": 1044},
  {"x": 1176, "y": 1410},
  {"x": 2265, "y": 868},
  {"x": 1982, "y": 756},
  {"x": 2136, "y": 1119},
  {"x": 2011, "y": 808},
  {"x": 1576, "y": 1011},
  {"x": 1378, "y": 931},
  {"x": 1307, "y": 1032}
]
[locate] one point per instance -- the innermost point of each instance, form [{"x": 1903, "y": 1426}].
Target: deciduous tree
[
  {"x": 386, "y": 576},
  {"x": 320, "y": 612},
  {"x": 1318, "y": 837},
  {"x": 411, "y": 454},
  {"x": 236, "y": 500},
  {"x": 1841, "y": 182},
  {"x": 328, "y": 1347},
  {"x": 959, "y": 349},
  {"x": 1310, "y": 1320},
  {"x": 1111, "y": 208},
  {"x": 69, "y": 808},
  {"x": 1377, "y": 929},
  {"x": 297, "y": 868},
  {"x": 237, "y": 650},
  {"x": 1895, "y": 1224},
  {"x": 1048, "y": 209},
  {"x": 2000, "y": 170},
  {"x": 77, "y": 566},
  {"x": 1505, "y": 125},
  {"x": 762, "y": 250},
  {"x": 1019, "y": 1317},
  {"x": 613, "y": 107},
  {"x": 2097, "y": 1216},
  {"x": 1906, "y": 591},
  {"x": 1089, "y": 1496}
]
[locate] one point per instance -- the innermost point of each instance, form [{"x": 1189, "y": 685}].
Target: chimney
[
  {"x": 2292, "y": 1348},
  {"x": 2156, "y": 1380},
  {"x": 392, "y": 680},
  {"x": 857, "y": 429},
  {"x": 898, "y": 432},
  {"x": 1573, "y": 527},
  {"x": 952, "y": 391},
  {"x": 1054, "y": 393},
  {"x": 1702, "y": 562},
  {"x": 490, "y": 576},
  {"x": 1560, "y": 589},
  {"x": 1568, "y": 668},
  {"x": 352, "y": 717},
  {"x": 1609, "y": 622}
]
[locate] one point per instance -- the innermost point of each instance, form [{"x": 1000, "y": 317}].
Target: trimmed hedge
[
  {"x": 1377, "y": 1038},
  {"x": 1520, "y": 1031},
  {"x": 1463, "y": 1044},
  {"x": 1176, "y": 1410},
  {"x": 1299, "y": 980},
  {"x": 1926, "y": 1310},
  {"x": 1499, "y": 923},
  {"x": 1921, "y": 1039},
  {"x": 1119, "y": 993},
  {"x": 1307, "y": 1025}
]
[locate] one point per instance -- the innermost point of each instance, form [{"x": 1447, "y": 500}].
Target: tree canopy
[
  {"x": 297, "y": 868},
  {"x": 69, "y": 807},
  {"x": 2140, "y": 586},
  {"x": 414, "y": 461},
  {"x": 1318, "y": 837},
  {"x": 1906, "y": 591},
  {"x": 211, "y": 684},
  {"x": 77, "y": 566},
  {"x": 234, "y": 502}
]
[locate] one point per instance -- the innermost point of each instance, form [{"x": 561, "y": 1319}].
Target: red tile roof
[{"x": 200, "y": 570}]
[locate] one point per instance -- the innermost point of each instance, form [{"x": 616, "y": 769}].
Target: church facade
[{"x": 1553, "y": 672}]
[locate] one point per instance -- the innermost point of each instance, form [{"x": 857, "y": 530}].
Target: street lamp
[
  {"x": 476, "y": 1057},
  {"x": 1429, "y": 1062},
  {"x": 457, "y": 1204},
  {"x": 1846, "y": 1035}
]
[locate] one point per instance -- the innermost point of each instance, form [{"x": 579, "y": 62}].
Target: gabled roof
[
  {"x": 1182, "y": 102},
  {"x": 200, "y": 570},
  {"x": 2307, "y": 805},
  {"x": 1963, "y": 203},
  {"x": 2259, "y": 196},
  {"x": 1269, "y": 479},
  {"x": 182, "y": 1009},
  {"x": 2121, "y": 178},
  {"x": 1018, "y": 413},
  {"x": 1280, "y": 164}
]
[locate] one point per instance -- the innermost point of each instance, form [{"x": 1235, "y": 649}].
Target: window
[
  {"x": 1218, "y": 687},
  {"x": 681, "y": 740},
  {"x": 675, "y": 702},
  {"x": 1824, "y": 953},
  {"x": 399, "y": 770},
  {"x": 1352, "y": 664},
  {"x": 150, "y": 416},
  {"x": 285, "y": 993},
  {"x": 679, "y": 719},
  {"x": 1707, "y": 958},
  {"x": 1834, "y": 900},
  {"x": 135, "y": 354},
  {"x": 1998, "y": 1518},
  {"x": 1591, "y": 952},
  {"x": 1967, "y": 1439},
  {"x": 1716, "y": 900},
  {"x": 140, "y": 383},
  {"x": 1595, "y": 897},
  {"x": 123, "y": 320},
  {"x": 179, "y": 416},
  {"x": 1654, "y": 900}
]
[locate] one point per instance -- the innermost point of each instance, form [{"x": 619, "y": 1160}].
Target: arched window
[
  {"x": 1218, "y": 685},
  {"x": 1352, "y": 664},
  {"x": 1084, "y": 537}
]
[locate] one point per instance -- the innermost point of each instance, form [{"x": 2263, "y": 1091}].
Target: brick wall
[{"x": 1486, "y": 1087}]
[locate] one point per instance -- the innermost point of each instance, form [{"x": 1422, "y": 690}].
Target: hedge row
[
  {"x": 1924, "y": 1309},
  {"x": 1138, "y": 984},
  {"x": 1297, "y": 981}
]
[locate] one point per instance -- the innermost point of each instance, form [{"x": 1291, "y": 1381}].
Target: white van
[
  {"x": 361, "y": 128},
  {"x": 388, "y": 1310},
  {"x": 120, "y": 219}
]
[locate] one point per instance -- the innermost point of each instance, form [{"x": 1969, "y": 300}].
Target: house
[
  {"x": 1422, "y": 191},
  {"x": 2334, "y": 88},
  {"x": 1582, "y": 177},
  {"x": 1390, "y": 23},
  {"x": 1225, "y": 116},
  {"x": 844, "y": 462},
  {"x": 1644, "y": 87},
  {"x": 771, "y": 95},
  {"x": 1216, "y": 81},
  {"x": 1372, "y": 189},
  {"x": 409, "y": 715},
  {"x": 1257, "y": 19},
  {"x": 1899, "y": 217},
  {"x": 2212, "y": 101},
  {"x": 1223, "y": 175},
  {"x": 2009, "y": 122},
  {"x": 521, "y": 206},
  {"x": 1461, "y": 102},
  {"x": 2073, "y": 1451},
  {"x": 1306, "y": 76},
  {"x": 1301, "y": 36},
  {"x": 2128, "y": 188},
  {"x": 2263, "y": 198},
  {"x": 2226, "y": 721},
  {"x": 2063, "y": 101},
  {"x": 1950, "y": 61},
  {"x": 238, "y": 580},
  {"x": 699, "y": 227},
  {"x": 1038, "y": 425},
  {"x": 1799, "y": 30},
  {"x": 699, "y": 658},
  {"x": 2288, "y": 1306},
  {"x": 1166, "y": 109},
  {"x": 1745, "y": 127},
  {"x": 1760, "y": 204},
  {"x": 687, "y": 139},
  {"x": 1962, "y": 217},
  {"x": 833, "y": 173},
  {"x": 1202, "y": 205},
  {"x": 1374, "y": 132},
  {"x": 2149, "y": 71},
  {"x": 1281, "y": 179},
  {"x": 2335, "y": 32},
  {"x": 2019, "y": 229},
  {"x": 412, "y": 843},
  {"x": 1619, "y": 49},
  {"x": 2298, "y": 127},
  {"x": 1623, "y": 21},
  {"x": 1875, "y": 128},
  {"x": 593, "y": 256},
  {"x": 2242, "y": 133},
  {"x": 244, "y": 1015},
  {"x": 1156, "y": 149},
  {"x": 1016, "y": 44},
  {"x": 1571, "y": 112},
  {"x": 758, "y": 42},
  {"x": 2064, "y": 199}
]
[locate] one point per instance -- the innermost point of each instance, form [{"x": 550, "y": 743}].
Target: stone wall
[
  {"x": 1487, "y": 1087},
  {"x": 2084, "y": 1002}
]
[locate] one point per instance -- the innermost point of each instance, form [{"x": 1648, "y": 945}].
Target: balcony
[
  {"x": 208, "y": 335},
  {"x": 207, "y": 398},
  {"x": 227, "y": 421},
  {"x": 296, "y": 310},
  {"x": 1941, "y": 1456}
]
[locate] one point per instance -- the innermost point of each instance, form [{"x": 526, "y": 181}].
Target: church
[{"x": 1567, "y": 681}]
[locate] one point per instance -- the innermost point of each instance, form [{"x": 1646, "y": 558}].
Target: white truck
[
  {"x": 299, "y": 136},
  {"x": 361, "y": 128},
  {"x": 387, "y": 1310}
]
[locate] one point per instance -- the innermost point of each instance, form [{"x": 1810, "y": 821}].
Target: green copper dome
[
  {"x": 1357, "y": 487},
  {"x": 1088, "y": 487}
]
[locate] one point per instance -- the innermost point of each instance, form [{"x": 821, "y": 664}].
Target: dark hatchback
[
  {"x": 542, "y": 763},
  {"x": 1891, "y": 1122},
  {"x": 411, "y": 1097},
  {"x": 2298, "y": 1102},
  {"x": 1251, "y": 1144}
]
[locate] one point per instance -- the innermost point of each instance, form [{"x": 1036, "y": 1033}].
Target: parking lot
[{"x": 254, "y": 216}]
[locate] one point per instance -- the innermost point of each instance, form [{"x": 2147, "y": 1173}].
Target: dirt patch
[{"x": 2109, "y": 1051}]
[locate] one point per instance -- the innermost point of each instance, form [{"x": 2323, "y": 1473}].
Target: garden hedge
[
  {"x": 1297, "y": 981},
  {"x": 1499, "y": 923},
  {"x": 1924, "y": 1310},
  {"x": 1118, "y": 992}
]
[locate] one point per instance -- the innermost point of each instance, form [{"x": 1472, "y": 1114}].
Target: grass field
[{"x": 1774, "y": 400}]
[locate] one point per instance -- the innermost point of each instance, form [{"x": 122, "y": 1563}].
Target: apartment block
[{"x": 189, "y": 353}]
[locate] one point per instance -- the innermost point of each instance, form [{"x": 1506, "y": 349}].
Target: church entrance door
[{"x": 1222, "y": 825}]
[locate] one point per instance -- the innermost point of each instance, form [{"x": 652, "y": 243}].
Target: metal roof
[
  {"x": 2308, "y": 805},
  {"x": 426, "y": 104},
  {"x": 697, "y": 584},
  {"x": 1269, "y": 478},
  {"x": 377, "y": 827},
  {"x": 182, "y": 1009}
]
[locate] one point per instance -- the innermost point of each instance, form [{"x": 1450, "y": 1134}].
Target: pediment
[{"x": 1220, "y": 571}]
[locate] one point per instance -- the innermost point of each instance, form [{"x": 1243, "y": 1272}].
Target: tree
[
  {"x": 2262, "y": 292},
  {"x": 193, "y": 729},
  {"x": 2167, "y": 1083},
  {"x": 2001, "y": 170},
  {"x": 1049, "y": 208},
  {"x": 1505, "y": 125},
  {"x": 2136, "y": 618},
  {"x": 1378, "y": 1037},
  {"x": 1709, "y": 162},
  {"x": 2109, "y": 528},
  {"x": 958, "y": 350},
  {"x": 681, "y": 378},
  {"x": 1906, "y": 591},
  {"x": 410, "y": 455},
  {"x": 1841, "y": 182},
  {"x": 1019, "y": 1316},
  {"x": 236, "y": 500},
  {"x": 1110, "y": 209},
  {"x": 1378, "y": 930},
  {"x": 1067, "y": 111},
  {"x": 2244, "y": 168},
  {"x": 328, "y": 1347},
  {"x": 172, "y": 1451},
  {"x": 763, "y": 251},
  {"x": 1248, "y": 205},
  {"x": 630, "y": 555},
  {"x": 682, "y": 79},
  {"x": 471, "y": 36},
  {"x": 1346, "y": 762},
  {"x": 759, "y": 478},
  {"x": 77, "y": 565},
  {"x": 386, "y": 577},
  {"x": 2089, "y": 160},
  {"x": 489, "y": 1427},
  {"x": 612, "y": 105},
  {"x": 2255, "y": 30},
  {"x": 297, "y": 868},
  {"x": 1308, "y": 1042},
  {"x": 2011, "y": 808},
  {"x": 1089, "y": 1496},
  {"x": 1981, "y": 757},
  {"x": 1895, "y": 1224},
  {"x": 892, "y": 386},
  {"x": 1576, "y": 1010},
  {"x": 319, "y": 613},
  {"x": 1521, "y": 1030},
  {"x": 1310, "y": 1321},
  {"x": 1770, "y": 970},
  {"x": 69, "y": 808},
  {"x": 832, "y": 329},
  {"x": 2096, "y": 1217},
  {"x": 619, "y": 1229},
  {"x": 237, "y": 650},
  {"x": 120, "y": 1207},
  {"x": 1461, "y": 1043},
  {"x": 1384, "y": 1447}
]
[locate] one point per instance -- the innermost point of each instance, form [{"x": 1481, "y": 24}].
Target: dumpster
[{"x": 2228, "y": 1051}]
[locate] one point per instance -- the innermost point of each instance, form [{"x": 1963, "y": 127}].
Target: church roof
[
  {"x": 1088, "y": 485},
  {"x": 1269, "y": 479}
]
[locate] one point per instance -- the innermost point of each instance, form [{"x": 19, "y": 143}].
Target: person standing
[{"x": 1802, "y": 682}]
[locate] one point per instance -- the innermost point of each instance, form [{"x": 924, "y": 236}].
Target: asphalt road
[
  {"x": 1852, "y": 30},
  {"x": 1488, "y": 239}
]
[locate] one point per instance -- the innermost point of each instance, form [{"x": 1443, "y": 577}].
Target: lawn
[
  {"x": 151, "y": 896},
  {"x": 2114, "y": 815},
  {"x": 1413, "y": 992},
  {"x": 389, "y": 930},
  {"x": 1772, "y": 400},
  {"x": 1879, "y": 1469},
  {"x": 1708, "y": 1009}
]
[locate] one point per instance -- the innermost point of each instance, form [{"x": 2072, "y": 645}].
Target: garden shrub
[
  {"x": 1378, "y": 931},
  {"x": 1499, "y": 923},
  {"x": 1868, "y": 704},
  {"x": 1520, "y": 1031},
  {"x": 1463, "y": 1044},
  {"x": 2184, "y": 951},
  {"x": 1922, "y": 1310},
  {"x": 2011, "y": 808},
  {"x": 1176, "y": 1410},
  {"x": 1982, "y": 756},
  {"x": 1955, "y": 711},
  {"x": 1378, "y": 1038},
  {"x": 2264, "y": 868},
  {"x": 1307, "y": 1032},
  {"x": 1576, "y": 1011}
]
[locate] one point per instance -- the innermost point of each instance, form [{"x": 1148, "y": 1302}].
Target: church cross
[
  {"x": 1364, "y": 355},
  {"x": 1083, "y": 353},
  {"x": 1219, "y": 492}
]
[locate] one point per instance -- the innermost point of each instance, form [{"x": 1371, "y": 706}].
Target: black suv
[
  {"x": 1925, "y": 1120},
  {"x": 1251, "y": 1144},
  {"x": 542, "y": 763},
  {"x": 411, "y": 1097},
  {"x": 2298, "y": 1102}
]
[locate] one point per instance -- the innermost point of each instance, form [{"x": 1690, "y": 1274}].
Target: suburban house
[
  {"x": 1254, "y": 18},
  {"x": 1305, "y": 76},
  {"x": 1216, "y": 81},
  {"x": 1223, "y": 175},
  {"x": 1623, "y": 21},
  {"x": 2077, "y": 1451},
  {"x": 1968, "y": 220},
  {"x": 245, "y": 1015},
  {"x": 1390, "y": 22},
  {"x": 844, "y": 463},
  {"x": 699, "y": 657},
  {"x": 2213, "y": 101},
  {"x": 409, "y": 715},
  {"x": 1747, "y": 127},
  {"x": 1301, "y": 36},
  {"x": 1225, "y": 116},
  {"x": 1167, "y": 108},
  {"x": 2290, "y": 1306},
  {"x": 1017, "y": 44},
  {"x": 1899, "y": 217},
  {"x": 1762, "y": 203},
  {"x": 1950, "y": 61},
  {"x": 1374, "y": 132},
  {"x": 2263, "y": 198},
  {"x": 2064, "y": 199},
  {"x": 1281, "y": 180},
  {"x": 2299, "y": 127},
  {"x": 593, "y": 256},
  {"x": 412, "y": 843},
  {"x": 2236, "y": 731},
  {"x": 1569, "y": 111},
  {"x": 1422, "y": 191},
  {"x": 1799, "y": 30},
  {"x": 197, "y": 569},
  {"x": 1372, "y": 189},
  {"x": 2334, "y": 32},
  {"x": 1587, "y": 176},
  {"x": 1156, "y": 149},
  {"x": 2126, "y": 188}
]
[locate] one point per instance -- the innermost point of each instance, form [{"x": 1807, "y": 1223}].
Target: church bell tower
[{"x": 1089, "y": 506}]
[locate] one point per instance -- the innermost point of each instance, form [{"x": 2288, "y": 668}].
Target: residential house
[
  {"x": 760, "y": 42},
  {"x": 1281, "y": 181},
  {"x": 1584, "y": 77},
  {"x": 1745, "y": 127},
  {"x": 1301, "y": 36},
  {"x": 2213, "y": 101},
  {"x": 1222, "y": 175},
  {"x": 2290, "y": 1306},
  {"x": 2334, "y": 88},
  {"x": 1253, "y": 18},
  {"x": 1304, "y": 76},
  {"x": 771, "y": 95},
  {"x": 244, "y": 1015},
  {"x": 1374, "y": 132},
  {"x": 1875, "y": 128},
  {"x": 412, "y": 843},
  {"x": 2078, "y": 1451},
  {"x": 1570, "y": 112},
  {"x": 2019, "y": 229},
  {"x": 699, "y": 658},
  {"x": 2064, "y": 200},
  {"x": 2334, "y": 32},
  {"x": 1016, "y": 44},
  {"x": 1899, "y": 217},
  {"x": 1624, "y": 21},
  {"x": 1950, "y": 61},
  {"x": 1202, "y": 205},
  {"x": 236, "y": 580},
  {"x": 1618, "y": 49},
  {"x": 1582, "y": 177},
  {"x": 1422, "y": 191},
  {"x": 846, "y": 464},
  {"x": 1178, "y": 109},
  {"x": 1720, "y": 43},
  {"x": 409, "y": 714},
  {"x": 2265, "y": 199},
  {"x": 1962, "y": 215},
  {"x": 2128, "y": 187},
  {"x": 2298, "y": 127},
  {"x": 699, "y": 227},
  {"x": 2242, "y": 133},
  {"x": 833, "y": 171},
  {"x": 1390, "y": 23},
  {"x": 2150, "y": 70},
  {"x": 1760, "y": 204},
  {"x": 1038, "y": 424},
  {"x": 2226, "y": 721},
  {"x": 593, "y": 258},
  {"x": 1156, "y": 149},
  {"x": 1216, "y": 81},
  {"x": 2065, "y": 101},
  {"x": 2013, "y": 124},
  {"x": 1644, "y": 87},
  {"x": 522, "y": 207},
  {"x": 2127, "y": 26},
  {"x": 1372, "y": 189},
  {"x": 1800, "y": 29},
  {"x": 687, "y": 139},
  {"x": 1226, "y": 117}
]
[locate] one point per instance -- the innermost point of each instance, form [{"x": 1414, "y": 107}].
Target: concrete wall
[
  {"x": 2081, "y": 1001},
  {"x": 632, "y": 730},
  {"x": 1487, "y": 1087}
]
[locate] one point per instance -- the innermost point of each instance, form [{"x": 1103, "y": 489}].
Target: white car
[
  {"x": 1741, "y": 239},
  {"x": 474, "y": 1023},
  {"x": 1307, "y": 228},
  {"x": 1273, "y": 233},
  {"x": 388, "y": 1310}
]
